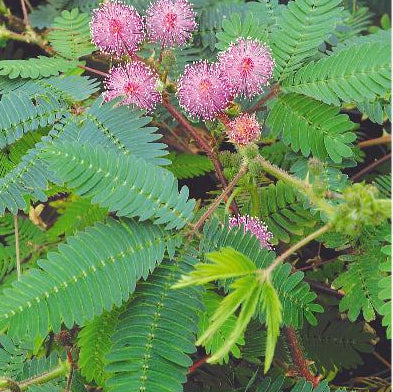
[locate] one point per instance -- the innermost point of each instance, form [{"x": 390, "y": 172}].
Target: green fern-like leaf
[
  {"x": 311, "y": 127},
  {"x": 277, "y": 385},
  {"x": 385, "y": 285},
  {"x": 211, "y": 301},
  {"x": 282, "y": 211},
  {"x": 13, "y": 354},
  {"x": 95, "y": 270},
  {"x": 19, "y": 115},
  {"x": 331, "y": 80},
  {"x": 76, "y": 214},
  {"x": 70, "y": 88},
  {"x": 155, "y": 334},
  {"x": 189, "y": 166},
  {"x": 128, "y": 185},
  {"x": 123, "y": 129},
  {"x": 35, "y": 67},
  {"x": 295, "y": 296},
  {"x": 336, "y": 343},
  {"x": 70, "y": 35},
  {"x": 302, "y": 27},
  {"x": 360, "y": 284},
  {"x": 94, "y": 341}
]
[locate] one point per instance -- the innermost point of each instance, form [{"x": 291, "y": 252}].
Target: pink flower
[
  {"x": 170, "y": 22},
  {"x": 202, "y": 92},
  {"x": 116, "y": 28},
  {"x": 255, "y": 227},
  {"x": 247, "y": 66},
  {"x": 244, "y": 129},
  {"x": 137, "y": 82}
]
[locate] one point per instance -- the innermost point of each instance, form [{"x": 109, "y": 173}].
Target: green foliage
[
  {"x": 94, "y": 341},
  {"x": 281, "y": 210},
  {"x": 35, "y": 67},
  {"x": 19, "y": 115},
  {"x": 211, "y": 301},
  {"x": 103, "y": 265},
  {"x": 76, "y": 214},
  {"x": 337, "y": 344},
  {"x": 128, "y": 185},
  {"x": 155, "y": 333},
  {"x": 311, "y": 127},
  {"x": 277, "y": 385},
  {"x": 385, "y": 286},
  {"x": 13, "y": 355},
  {"x": 185, "y": 166},
  {"x": 70, "y": 35},
  {"x": 331, "y": 80},
  {"x": 295, "y": 296},
  {"x": 302, "y": 27}
]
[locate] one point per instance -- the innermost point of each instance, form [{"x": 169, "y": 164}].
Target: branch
[
  {"x": 225, "y": 193},
  {"x": 25, "y": 16},
  {"x": 17, "y": 251},
  {"x": 201, "y": 142},
  {"x": 61, "y": 370},
  {"x": 297, "y": 246},
  {"x": 371, "y": 167},
  {"x": 272, "y": 93},
  {"x": 297, "y": 356},
  {"x": 385, "y": 139}
]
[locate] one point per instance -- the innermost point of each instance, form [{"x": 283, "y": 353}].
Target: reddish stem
[
  {"x": 201, "y": 142},
  {"x": 96, "y": 71},
  {"x": 272, "y": 93},
  {"x": 224, "y": 119},
  {"x": 197, "y": 364},
  {"x": 297, "y": 356},
  {"x": 371, "y": 167}
]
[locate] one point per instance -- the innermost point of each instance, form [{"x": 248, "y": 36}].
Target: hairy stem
[
  {"x": 297, "y": 246},
  {"x": 17, "y": 250},
  {"x": 225, "y": 193},
  {"x": 385, "y": 139},
  {"x": 297, "y": 356},
  {"x": 203, "y": 144},
  {"x": 43, "y": 378},
  {"x": 372, "y": 166}
]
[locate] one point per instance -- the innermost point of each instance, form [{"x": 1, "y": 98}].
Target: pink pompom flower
[
  {"x": 170, "y": 22},
  {"x": 255, "y": 227},
  {"x": 244, "y": 129},
  {"x": 116, "y": 28},
  {"x": 202, "y": 92},
  {"x": 247, "y": 66},
  {"x": 137, "y": 82}
]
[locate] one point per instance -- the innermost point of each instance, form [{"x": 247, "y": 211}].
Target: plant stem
[
  {"x": 17, "y": 250},
  {"x": 385, "y": 139},
  {"x": 225, "y": 193},
  {"x": 201, "y": 142},
  {"x": 43, "y": 378},
  {"x": 93, "y": 70},
  {"x": 297, "y": 356},
  {"x": 382, "y": 359},
  {"x": 297, "y": 246},
  {"x": 323, "y": 288},
  {"x": 24, "y": 11},
  {"x": 198, "y": 364},
  {"x": 275, "y": 89},
  {"x": 371, "y": 167}
]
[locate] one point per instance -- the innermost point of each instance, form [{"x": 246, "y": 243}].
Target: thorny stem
[
  {"x": 371, "y": 167},
  {"x": 201, "y": 142},
  {"x": 25, "y": 16},
  {"x": 217, "y": 201},
  {"x": 17, "y": 250},
  {"x": 298, "y": 359},
  {"x": 61, "y": 370},
  {"x": 275, "y": 89},
  {"x": 297, "y": 246},
  {"x": 385, "y": 139}
]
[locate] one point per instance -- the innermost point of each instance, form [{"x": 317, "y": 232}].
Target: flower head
[
  {"x": 136, "y": 82},
  {"x": 247, "y": 66},
  {"x": 201, "y": 90},
  {"x": 170, "y": 22},
  {"x": 255, "y": 227},
  {"x": 244, "y": 129},
  {"x": 116, "y": 28}
]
